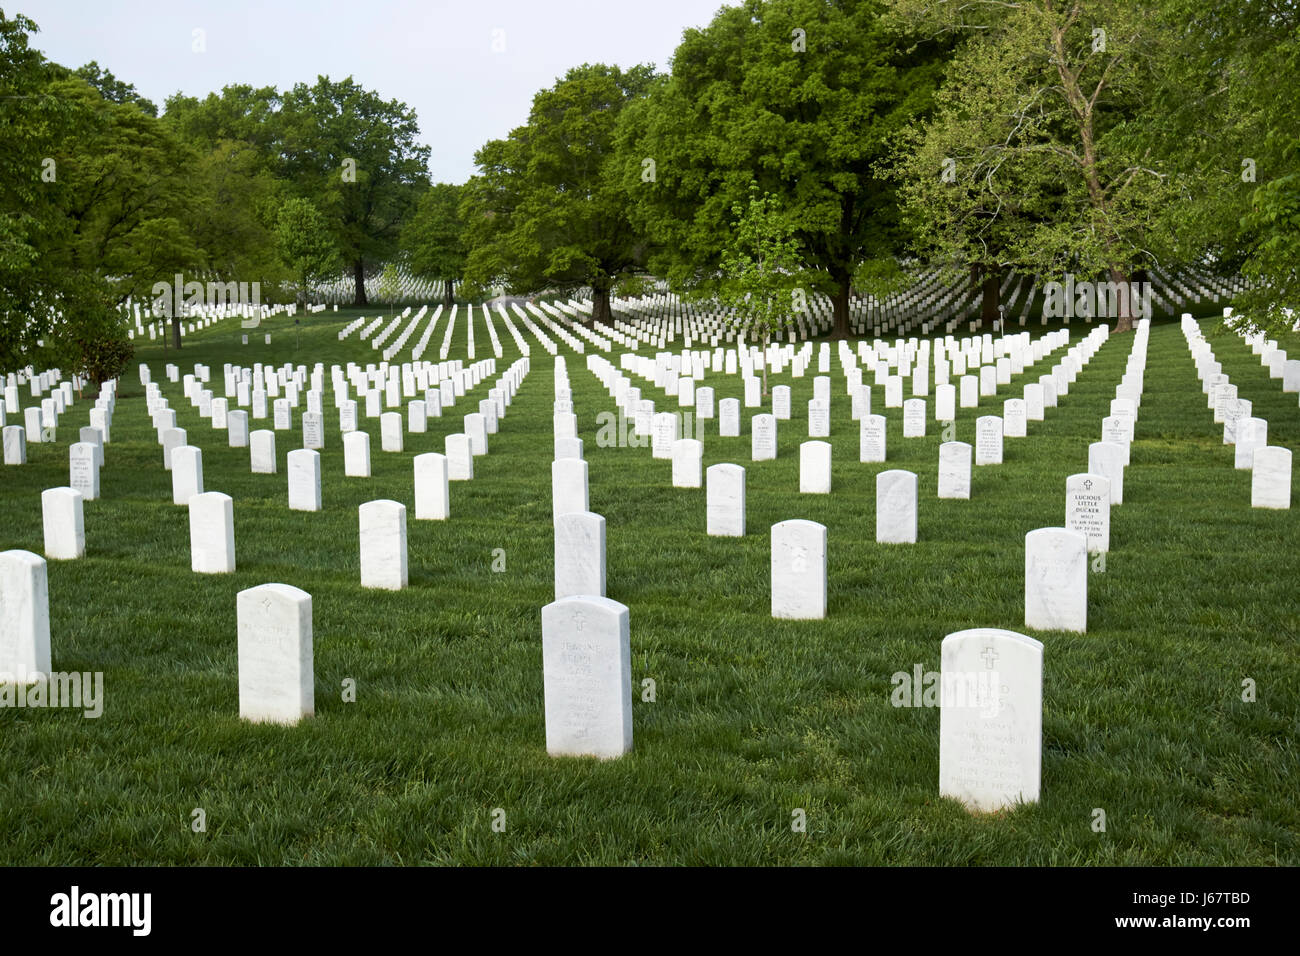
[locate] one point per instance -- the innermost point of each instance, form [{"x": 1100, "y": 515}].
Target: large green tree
[
  {"x": 355, "y": 156},
  {"x": 547, "y": 208},
  {"x": 91, "y": 204},
  {"x": 113, "y": 89},
  {"x": 434, "y": 239},
  {"x": 1052, "y": 119},
  {"x": 760, "y": 271},
  {"x": 803, "y": 96},
  {"x": 1232, "y": 95},
  {"x": 32, "y": 282},
  {"x": 126, "y": 187},
  {"x": 304, "y": 244}
]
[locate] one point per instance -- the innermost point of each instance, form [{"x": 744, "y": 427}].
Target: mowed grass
[{"x": 752, "y": 718}]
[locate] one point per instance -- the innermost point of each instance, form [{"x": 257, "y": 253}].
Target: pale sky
[{"x": 436, "y": 56}]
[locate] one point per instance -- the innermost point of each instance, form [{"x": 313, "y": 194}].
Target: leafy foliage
[
  {"x": 760, "y": 270},
  {"x": 547, "y": 209}
]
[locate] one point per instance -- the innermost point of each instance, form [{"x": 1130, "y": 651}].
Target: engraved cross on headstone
[{"x": 990, "y": 657}]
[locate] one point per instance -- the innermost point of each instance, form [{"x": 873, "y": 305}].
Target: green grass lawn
[{"x": 753, "y": 717}]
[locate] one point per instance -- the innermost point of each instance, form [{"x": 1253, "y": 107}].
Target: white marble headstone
[
  {"x": 383, "y": 544},
  {"x": 1056, "y": 580},
  {"x": 1087, "y": 509},
  {"x": 798, "y": 570},
  {"x": 725, "y": 500},
  {"x": 187, "y": 474},
  {"x": 261, "y": 448},
  {"x": 212, "y": 533},
  {"x": 954, "y": 469},
  {"x": 991, "y": 718},
  {"x": 815, "y": 468},
  {"x": 64, "y": 524},
  {"x": 304, "y": 480},
  {"x": 896, "y": 506},
  {"x": 687, "y": 455},
  {"x": 1270, "y": 478},
  {"x": 579, "y": 554},
  {"x": 568, "y": 486},
  {"x": 587, "y": 677},
  {"x": 24, "y": 617},
  {"x": 432, "y": 493},
  {"x": 871, "y": 438},
  {"x": 277, "y": 681},
  {"x": 356, "y": 454},
  {"x": 762, "y": 430}
]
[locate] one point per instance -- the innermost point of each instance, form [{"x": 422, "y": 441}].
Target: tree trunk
[
  {"x": 840, "y": 304},
  {"x": 176, "y": 331},
  {"x": 359, "y": 277},
  {"x": 991, "y": 295},
  {"x": 600, "y": 302},
  {"x": 449, "y": 293},
  {"x": 1124, "y": 323},
  {"x": 767, "y": 337}
]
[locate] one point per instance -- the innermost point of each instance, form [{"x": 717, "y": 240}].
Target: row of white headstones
[
  {"x": 990, "y": 733},
  {"x": 1269, "y": 465},
  {"x": 587, "y": 653},
  {"x": 274, "y": 620}
]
